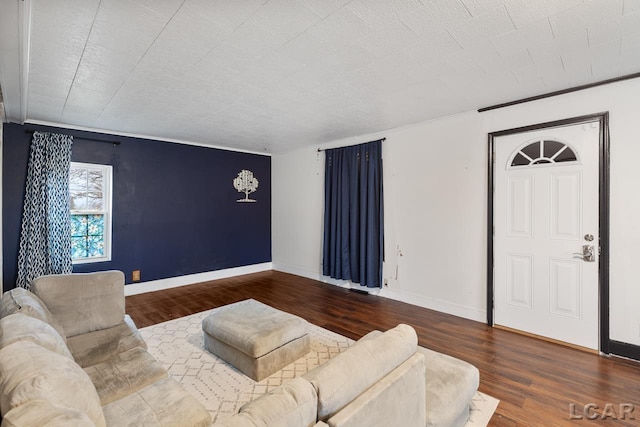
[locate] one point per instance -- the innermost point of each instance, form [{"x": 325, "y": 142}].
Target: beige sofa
[
  {"x": 385, "y": 379},
  {"x": 379, "y": 381},
  {"x": 69, "y": 356}
]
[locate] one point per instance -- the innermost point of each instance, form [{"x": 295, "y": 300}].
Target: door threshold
[{"x": 551, "y": 340}]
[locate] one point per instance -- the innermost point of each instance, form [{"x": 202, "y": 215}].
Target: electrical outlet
[{"x": 135, "y": 276}]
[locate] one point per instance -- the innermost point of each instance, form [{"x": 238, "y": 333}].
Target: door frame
[{"x": 603, "y": 203}]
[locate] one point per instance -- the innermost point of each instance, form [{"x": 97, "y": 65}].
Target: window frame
[{"x": 107, "y": 176}]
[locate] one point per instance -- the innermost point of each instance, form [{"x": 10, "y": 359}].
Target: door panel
[
  {"x": 565, "y": 206},
  {"x": 520, "y": 277},
  {"x": 546, "y": 199},
  {"x": 565, "y": 286},
  {"x": 519, "y": 206}
]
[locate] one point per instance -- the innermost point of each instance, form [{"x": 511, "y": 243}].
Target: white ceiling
[{"x": 273, "y": 75}]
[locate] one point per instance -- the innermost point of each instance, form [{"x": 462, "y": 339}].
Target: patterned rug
[{"x": 222, "y": 389}]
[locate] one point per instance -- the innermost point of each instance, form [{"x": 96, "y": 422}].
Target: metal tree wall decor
[{"x": 245, "y": 183}]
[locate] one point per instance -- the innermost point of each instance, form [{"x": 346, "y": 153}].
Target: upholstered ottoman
[
  {"x": 451, "y": 384},
  {"x": 255, "y": 338}
]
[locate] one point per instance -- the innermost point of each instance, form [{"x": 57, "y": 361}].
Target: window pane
[
  {"x": 95, "y": 225},
  {"x": 78, "y": 179},
  {"x": 551, "y": 148},
  {"x": 78, "y": 247},
  {"x": 95, "y": 246},
  {"x": 519, "y": 160},
  {"x": 566, "y": 156},
  {"x": 78, "y": 225},
  {"x": 95, "y": 201},
  {"x": 78, "y": 200},
  {"x": 532, "y": 150},
  {"x": 95, "y": 181}
]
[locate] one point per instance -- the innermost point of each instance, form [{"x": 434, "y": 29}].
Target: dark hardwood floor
[{"x": 536, "y": 381}]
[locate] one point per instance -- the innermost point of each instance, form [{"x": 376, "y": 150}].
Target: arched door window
[{"x": 545, "y": 151}]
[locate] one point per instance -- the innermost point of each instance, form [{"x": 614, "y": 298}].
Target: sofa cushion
[
  {"x": 353, "y": 371},
  {"x": 20, "y": 300},
  {"x": 83, "y": 302},
  {"x": 42, "y": 413},
  {"x": 124, "y": 373},
  {"x": 293, "y": 404},
  {"x": 18, "y": 327},
  {"x": 30, "y": 372},
  {"x": 164, "y": 403},
  {"x": 96, "y": 347}
]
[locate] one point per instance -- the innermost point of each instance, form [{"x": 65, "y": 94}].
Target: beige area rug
[{"x": 222, "y": 389}]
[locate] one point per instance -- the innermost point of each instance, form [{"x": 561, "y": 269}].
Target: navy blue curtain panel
[{"x": 353, "y": 214}]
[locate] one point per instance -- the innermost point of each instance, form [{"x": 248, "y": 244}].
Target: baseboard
[
  {"x": 298, "y": 271},
  {"x": 466, "y": 312},
  {"x": 174, "y": 282},
  {"x": 315, "y": 275},
  {"x": 447, "y": 307}
]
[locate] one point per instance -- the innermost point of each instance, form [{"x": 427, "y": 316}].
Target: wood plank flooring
[{"x": 536, "y": 381}]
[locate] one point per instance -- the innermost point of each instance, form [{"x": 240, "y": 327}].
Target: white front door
[{"x": 546, "y": 205}]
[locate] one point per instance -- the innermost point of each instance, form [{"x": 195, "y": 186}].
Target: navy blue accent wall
[{"x": 174, "y": 205}]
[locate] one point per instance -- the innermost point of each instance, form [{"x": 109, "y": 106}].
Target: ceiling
[{"x": 274, "y": 75}]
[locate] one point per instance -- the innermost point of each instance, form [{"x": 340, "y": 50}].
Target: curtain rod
[
  {"x": 375, "y": 140},
  {"x": 81, "y": 137}
]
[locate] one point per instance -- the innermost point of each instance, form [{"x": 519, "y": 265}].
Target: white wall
[
  {"x": 435, "y": 204},
  {"x": 435, "y": 210},
  {"x": 297, "y": 180}
]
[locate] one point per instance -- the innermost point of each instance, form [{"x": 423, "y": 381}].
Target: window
[
  {"x": 90, "y": 197},
  {"x": 543, "y": 152}
]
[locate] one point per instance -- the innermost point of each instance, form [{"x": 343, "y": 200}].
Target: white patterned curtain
[{"x": 45, "y": 238}]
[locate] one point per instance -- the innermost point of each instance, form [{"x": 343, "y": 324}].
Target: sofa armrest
[
  {"x": 353, "y": 371},
  {"x": 83, "y": 302},
  {"x": 20, "y": 300},
  {"x": 398, "y": 399}
]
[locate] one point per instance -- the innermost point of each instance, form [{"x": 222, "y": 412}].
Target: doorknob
[{"x": 588, "y": 253}]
